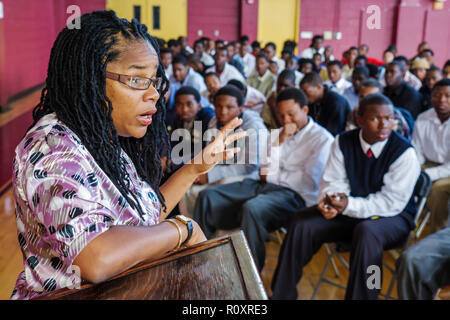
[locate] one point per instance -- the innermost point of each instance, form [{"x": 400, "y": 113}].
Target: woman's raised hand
[{"x": 216, "y": 151}]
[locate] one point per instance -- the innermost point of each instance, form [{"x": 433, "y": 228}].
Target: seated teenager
[
  {"x": 199, "y": 51},
  {"x": 262, "y": 79},
  {"x": 183, "y": 41},
  {"x": 195, "y": 63},
  {"x": 244, "y": 40},
  {"x": 193, "y": 121},
  {"x": 306, "y": 66},
  {"x": 359, "y": 75},
  {"x": 327, "y": 55},
  {"x": 225, "y": 71},
  {"x": 446, "y": 70},
  {"x": 228, "y": 103},
  {"x": 427, "y": 54},
  {"x": 175, "y": 47},
  {"x": 288, "y": 180},
  {"x": 212, "y": 81},
  {"x": 248, "y": 59},
  {"x": 256, "y": 48},
  {"x": 183, "y": 75},
  {"x": 87, "y": 172},
  {"x": 286, "y": 79},
  {"x": 361, "y": 61},
  {"x": 347, "y": 68},
  {"x": 403, "y": 123},
  {"x": 365, "y": 197},
  {"x": 409, "y": 77},
  {"x": 270, "y": 50},
  {"x": 326, "y": 107},
  {"x": 234, "y": 58},
  {"x": 399, "y": 92},
  {"x": 419, "y": 68},
  {"x": 274, "y": 68},
  {"x": 336, "y": 82},
  {"x": 287, "y": 51},
  {"x": 422, "y": 46},
  {"x": 166, "y": 59},
  {"x": 253, "y": 99},
  {"x": 388, "y": 57},
  {"x": 292, "y": 64},
  {"x": 364, "y": 50},
  {"x": 315, "y": 46},
  {"x": 317, "y": 58},
  {"x": 374, "y": 71},
  {"x": 434, "y": 74},
  {"x": 431, "y": 139}
]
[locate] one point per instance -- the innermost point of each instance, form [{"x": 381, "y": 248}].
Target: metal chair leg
[
  {"x": 423, "y": 223},
  {"x": 333, "y": 262},
  {"x": 322, "y": 277},
  {"x": 436, "y": 296}
]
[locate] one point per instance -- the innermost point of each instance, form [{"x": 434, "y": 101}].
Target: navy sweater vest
[{"x": 366, "y": 174}]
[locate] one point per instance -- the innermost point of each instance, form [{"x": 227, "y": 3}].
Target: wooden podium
[{"x": 218, "y": 269}]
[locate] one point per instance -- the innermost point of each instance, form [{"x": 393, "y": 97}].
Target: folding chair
[{"x": 421, "y": 191}]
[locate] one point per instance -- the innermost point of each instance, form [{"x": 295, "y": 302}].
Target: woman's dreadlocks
[{"x": 76, "y": 91}]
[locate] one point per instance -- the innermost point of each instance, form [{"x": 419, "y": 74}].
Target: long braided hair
[{"x": 76, "y": 91}]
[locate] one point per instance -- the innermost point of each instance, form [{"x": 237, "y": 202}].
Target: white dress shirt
[
  {"x": 206, "y": 59},
  {"x": 298, "y": 78},
  {"x": 431, "y": 138},
  {"x": 169, "y": 71},
  {"x": 339, "y": 86},
  {"x": 249, "y": 61},
  {"x": 308, "y": 53},
  {"x": 280, "y": 62},
  {"x": 193, "y": 79},
  {"x": 397, "y": 189},
  {"x": 298, "y": 163},
  {"x": 229, "y": 72},
  {"x": 254, "y": 99},
  {"x": 253, "y": 146},
  {"x": 412, "y": 80}
]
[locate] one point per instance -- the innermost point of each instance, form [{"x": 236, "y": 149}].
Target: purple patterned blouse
[{"x": 63, "y": 201}]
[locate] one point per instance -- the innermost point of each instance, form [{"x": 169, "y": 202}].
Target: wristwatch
[{"x": 188, "y": 223}]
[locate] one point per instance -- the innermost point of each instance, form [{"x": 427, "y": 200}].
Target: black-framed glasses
[{"x": 138, "y": 83}]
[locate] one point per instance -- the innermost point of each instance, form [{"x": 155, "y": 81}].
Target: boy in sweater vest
[{"x": 365, "y": 197}]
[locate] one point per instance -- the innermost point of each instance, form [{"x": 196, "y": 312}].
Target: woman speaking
[{"x": 87, "y": 173}]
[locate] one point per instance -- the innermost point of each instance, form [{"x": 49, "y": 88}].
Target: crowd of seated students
[{"x": 337, "y": 147}]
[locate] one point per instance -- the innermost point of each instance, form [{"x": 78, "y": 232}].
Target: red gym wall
[
  {"x": 27, "y": 32},
  {"x": 405, "y": 23},
  {"x": 217, "y": 19}
]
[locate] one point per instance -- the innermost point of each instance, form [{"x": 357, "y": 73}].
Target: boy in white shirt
[
  {"x": 225, "y": 70},
  {"x": 336, "y": 82},
  {"x": 431, "y": 138},
  {"x": 288, "y": 180},
  {"x": 270, "y": 51},
  {"x": 248, "y": 59},
  {"x": 166, "y": 59},
  {"x": 365, "y": 197}
]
